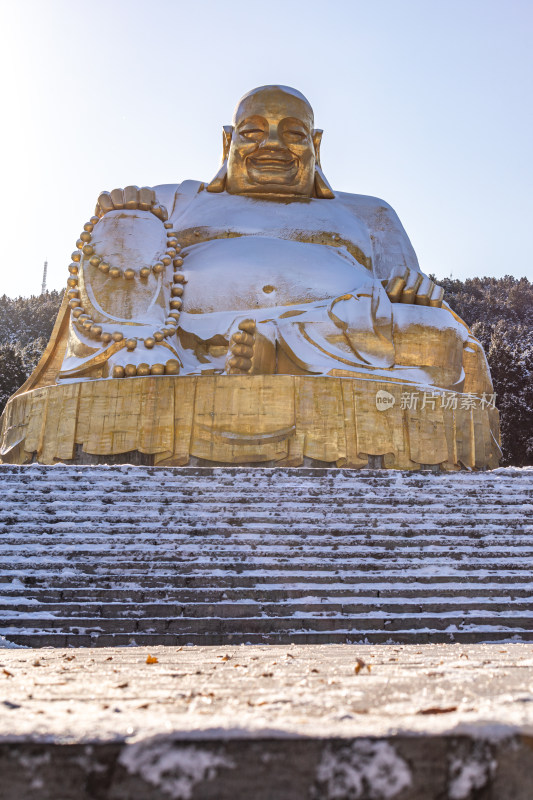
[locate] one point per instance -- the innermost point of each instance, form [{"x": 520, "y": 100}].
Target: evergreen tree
[
  {"x": 25, "y": 319},
  {"x": 12, "y": 373},
  {"x": 510, "y": 354},
  {"x": 25, "y": 327}
]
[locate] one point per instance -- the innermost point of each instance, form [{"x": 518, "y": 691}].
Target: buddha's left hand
[
  {"x": 130, "y": 199},
  {"x": 409, "y": 286}
]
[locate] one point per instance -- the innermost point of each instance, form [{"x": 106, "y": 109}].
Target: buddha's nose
[{"x": 273, "y": 140}]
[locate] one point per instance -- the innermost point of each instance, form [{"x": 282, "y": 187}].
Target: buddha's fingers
[
  {"x": 247, "y": 325},
  {"x": 242, "y": 350},
  {"x": 396, "y": 284},
  {"x": 105, "y": 202},
  {"x": 131, "y": 197},
  {"x": 243, "y": 338},
  {"x": 411, "y": 287},
  {"x": 146, "y": 198},
  {"x": 242, "y": 364},
  {"x": 437, "y": 296},
  {"x": 117, "y": 196},
  {"x": 160, "y": 211},
  {"x": 424, "y": 292}
]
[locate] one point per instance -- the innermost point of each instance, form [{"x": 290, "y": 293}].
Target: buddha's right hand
[
  {"x": 409, "y": 286},
  {"x": 130, "y": 198}
]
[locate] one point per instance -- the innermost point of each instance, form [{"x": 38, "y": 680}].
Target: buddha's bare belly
[{"x": 254, "y": 272}]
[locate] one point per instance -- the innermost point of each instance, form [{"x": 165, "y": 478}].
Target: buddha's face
[{"x": 271, "y": 149}]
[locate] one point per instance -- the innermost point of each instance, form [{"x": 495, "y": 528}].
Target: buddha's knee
[{"x": 431, "y": 338}]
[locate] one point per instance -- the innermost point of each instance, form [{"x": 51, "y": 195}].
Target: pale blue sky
[{"x": 425, "y": 103}]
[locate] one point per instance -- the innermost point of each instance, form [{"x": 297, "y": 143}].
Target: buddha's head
[{"x": 272, "y": 148}]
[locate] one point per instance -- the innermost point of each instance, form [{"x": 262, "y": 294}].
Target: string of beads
[{"x": 83, "y": 321}]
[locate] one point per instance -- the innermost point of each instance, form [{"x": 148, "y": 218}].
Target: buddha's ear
[
  {"x": 322, "y": 187},
  {"x": 218, "y": 184},
  {"x": 317, "y": 139},
  {"x": 227, "y": 133}
]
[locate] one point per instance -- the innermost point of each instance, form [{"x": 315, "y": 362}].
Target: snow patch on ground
[
  {"x": 173, "y": 768},
  {"x": 367, "y": 768}
]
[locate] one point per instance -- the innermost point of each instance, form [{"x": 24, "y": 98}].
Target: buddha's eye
[
  {"x": 251, "y": 133},
  {"x": 295, "y": 135}
]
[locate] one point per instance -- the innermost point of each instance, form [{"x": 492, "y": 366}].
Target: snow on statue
[{"x": 265, "y": 270}]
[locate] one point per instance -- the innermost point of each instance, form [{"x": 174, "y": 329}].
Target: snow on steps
[{"x": 96, "y": 555}]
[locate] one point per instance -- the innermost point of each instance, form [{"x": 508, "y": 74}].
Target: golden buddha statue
[{"x": 270, "y": 319}]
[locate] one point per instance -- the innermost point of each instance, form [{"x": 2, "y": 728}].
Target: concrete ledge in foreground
[{"x": 335, "y": 722}]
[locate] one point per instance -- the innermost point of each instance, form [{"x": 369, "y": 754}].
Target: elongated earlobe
[
  {"x": 322, "y": 187},
  {"x": 218, "y": 184}
]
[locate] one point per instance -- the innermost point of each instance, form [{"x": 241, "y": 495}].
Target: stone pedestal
[{"x": 268, "y": 420}]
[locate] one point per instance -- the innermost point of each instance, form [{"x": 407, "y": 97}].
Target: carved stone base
[{"x": 243, "y": 419}]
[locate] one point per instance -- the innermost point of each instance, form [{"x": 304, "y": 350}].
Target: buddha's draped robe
[{"x": 310, "y": 272}]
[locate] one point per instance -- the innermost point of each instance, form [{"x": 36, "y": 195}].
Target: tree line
[{"x": 499, "y": 312}]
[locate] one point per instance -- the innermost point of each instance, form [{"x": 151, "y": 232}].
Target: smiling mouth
[{"x": 271, "y": 162}]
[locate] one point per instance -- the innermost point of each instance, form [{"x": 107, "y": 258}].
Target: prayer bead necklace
[{"x": 83, "y": 320}]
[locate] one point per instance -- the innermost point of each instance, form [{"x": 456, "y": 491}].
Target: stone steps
[
  {"x": 311, "y": 559},
  {"x": 106, "y": 555},
  {"x": 36, "y": 638},
  {"x": 362, "y": 595},
  {"x": 366, "y": 583},
  {"x": 249, "y": 608},
  {"x": 55, "y": 553},
  {"x": 211, "y": 621}
]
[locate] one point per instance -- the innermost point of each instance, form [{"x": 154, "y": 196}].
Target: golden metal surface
[
  {"x": 295, "y": 326},
  {"x": 246, "y": 419},
  {"x": 172, "y": 367},
  {"x": 131, "y": 197},
  {"x": 271, "y": 148},
  {"x": 117, "y": 196}
]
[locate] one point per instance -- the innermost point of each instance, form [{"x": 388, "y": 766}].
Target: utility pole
[{"x": 45, "y": 270}]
